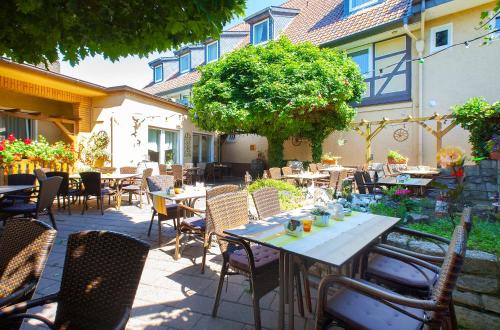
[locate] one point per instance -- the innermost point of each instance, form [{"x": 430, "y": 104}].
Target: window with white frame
[
  {"x": 184, "y": 63},
  {"x": 163, "y": 146},
  {"x": 359, "y": 4},
  {"x": 212, "y": 51},
  {"x": 158, "y": 73},
  {"x": 364, "y": 58},
  {"x": 20, "y": 127},
  {"x": 441, "y": 37},
  {"x": 260, "y": 32},
  {"x": 202, "y": 148}
]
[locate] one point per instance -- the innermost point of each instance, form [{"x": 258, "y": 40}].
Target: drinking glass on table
[{"x": 307, "y": 224}]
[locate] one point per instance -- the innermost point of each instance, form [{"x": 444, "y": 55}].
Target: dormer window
[
  {"x": 184, "y": 63},
  {"x": 212, "y": 51},
  {"x": 355, "y": 5},
  {"x": 260, "y": 32},
  {"x": 158, "y": 73}
]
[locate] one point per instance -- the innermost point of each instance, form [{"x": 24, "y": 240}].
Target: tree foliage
[
  {"x": 482, "y": 120},
  {"x": 277, "y": 91},
  {"x": 35, "y": 31}
]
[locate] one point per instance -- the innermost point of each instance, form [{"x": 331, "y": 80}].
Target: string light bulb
[
  {"x": 466, "y": 44},
  {"x": 421, "y": 60}
]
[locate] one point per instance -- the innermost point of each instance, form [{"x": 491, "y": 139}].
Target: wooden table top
[
  {"x": 114, "y": 176},
  {"x": 9, "y": 189},
  {"x": 417, "y": 182},
  {"x": 334, "y": 245}
]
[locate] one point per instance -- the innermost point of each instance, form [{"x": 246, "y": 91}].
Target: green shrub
[
  {"x": 484, "y": 236},
  {"x": 290, "y": 196}
]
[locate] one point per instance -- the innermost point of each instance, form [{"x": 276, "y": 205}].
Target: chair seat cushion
[
  {"x": 196, "y": 223},
  {"x": 107, "y": 191},
  {"x": 400, "y": 272},
  {"x": 131, "y": 187},
  {"x": 20, "y": 208},
  {"x": 363, "y": 312},
  {"x": 263, "y": 257}
]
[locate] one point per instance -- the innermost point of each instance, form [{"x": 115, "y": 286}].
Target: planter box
[
  {"x": 329, "y": 161},
  {"x": 399, "y": 162}
]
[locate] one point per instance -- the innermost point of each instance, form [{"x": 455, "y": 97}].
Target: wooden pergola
[{"x": 369, "y": 129}]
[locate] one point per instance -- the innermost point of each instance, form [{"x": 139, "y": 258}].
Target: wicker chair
[
  {"x": 45, "y": 199},
  {"x": 40, "y": 174},
  {"x": 139, "y": 189},
  {"x": 164, "y": 211},
  {"x": 267, "y": 203},
  {"x": 258, "y": 263},
  {"x": 99, "y": 282},
  {"x": 275, "y": 173},
  {"x": 19, "y": 180},
  {"x": 179, "y": 176},
  {"x": 407, "y": 278},
  {"x": 91, "y": 182},
  {"x": 288, "y": 171},
  {"x": 363, "y": 305},
  {"x": 313, "y": 168},
  {"x": 128, "y": 170},
  {"x": 106, "y": 170},
  {"x": 25, "y": 246},
  {"x": 196, "y": 225}
]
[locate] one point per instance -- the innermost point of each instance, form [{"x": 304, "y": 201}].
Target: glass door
[{"x": 202, "y": 148}]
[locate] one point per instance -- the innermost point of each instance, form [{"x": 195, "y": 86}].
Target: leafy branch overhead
[
  {"x": 35, "y": 31},
  {"x": 277, "y": 91}
]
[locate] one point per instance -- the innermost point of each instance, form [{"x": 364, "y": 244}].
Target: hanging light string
[{"x": 421, "y": 59}]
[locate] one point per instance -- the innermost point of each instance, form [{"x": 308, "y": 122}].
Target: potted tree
[
  {"x": 394, "y": 157},
  {"x": 493, "y": 145},
  {"x": 329, "y": 159}
]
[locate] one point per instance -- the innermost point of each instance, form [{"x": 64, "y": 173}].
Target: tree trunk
[
  {"x": 316, "y": 149},
  {"x": 275, "y": 151}
]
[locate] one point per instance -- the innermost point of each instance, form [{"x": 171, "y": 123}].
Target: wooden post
[
  {"x": 439, "y": 140},
  {"x": 368, "y": 144}
]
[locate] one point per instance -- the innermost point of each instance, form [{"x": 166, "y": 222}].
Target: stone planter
[{"x": 495, "y": 155}]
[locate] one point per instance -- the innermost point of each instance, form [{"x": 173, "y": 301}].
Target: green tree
[
  {"x": 35, "y": 31},
  {"x": 277, "y": 91}
]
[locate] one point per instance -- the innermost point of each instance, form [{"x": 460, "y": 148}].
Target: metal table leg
[
  {"x": 281, "y": 323},
  {"x": 290, "y": 293}
]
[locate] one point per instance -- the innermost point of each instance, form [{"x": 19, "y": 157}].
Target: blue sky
[{"x": 132, "y": 70}]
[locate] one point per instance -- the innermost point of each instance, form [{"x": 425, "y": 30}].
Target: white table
[
  {"x": 188, "y": 197},
  {"x": 334, "y": 245},
  {"x": 9, "y": 189}
]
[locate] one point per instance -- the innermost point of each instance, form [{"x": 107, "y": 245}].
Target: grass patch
[
  {"x": 290, "y": 196},
  {"x": 484, "y": 236}
]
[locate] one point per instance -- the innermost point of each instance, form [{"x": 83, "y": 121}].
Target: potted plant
[
  {"x": 454, "y": 158},
  {"x": 493, "y": 146},
  {"x": 329, "y": 158},
  {"x": 322, "y": 217},
  {"x": 394, "y": 157},
  {"x": 92, "y": 152}
]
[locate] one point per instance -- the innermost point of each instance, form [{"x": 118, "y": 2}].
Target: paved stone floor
[{"x": 172, "y": 294}]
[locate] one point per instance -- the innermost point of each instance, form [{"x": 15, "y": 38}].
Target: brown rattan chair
[
  {"x": 288, "y": 171},
  {"x": 160, "y": 207},
  {"x": 407, "y": 278},
  {"x": 313, "y": 168},
  {"x": 275, "y": 173},
  {"x": 25, "y": 245},
  {"x": 40, "y": 174},
  {"x": 196, "y": 224},
  {"x": 45, "y": 199},
  {"x": 364, "y": 305},
  {"x": 179, "y": 175},
  {"x": 139, "y": 189},
  {"x": 258, "y": 263},
  {"x": 100, "y": 278},
  {"x": 91, "y": 182}
]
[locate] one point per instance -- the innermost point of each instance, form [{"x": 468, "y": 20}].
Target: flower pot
[
  {"x": 396, "y": 161},
  {"x": 329, "y": 161},
  {"x": 495, "y": 155},
  {"x": 322, "y": 220}
]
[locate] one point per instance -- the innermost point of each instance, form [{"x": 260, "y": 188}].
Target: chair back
[
  {"x": 266, "y": 202},
  {"x": 387, "y": 170},
  {"x": 287, "y": 170},
  {"x": 177, "y": 172},
  {"x": 227, "y": 211},
  {"x": 313, "y": 168},
  {"x": 160, "y": 182},
  {"x": 21, "y": 179},
  {"x": 25, "y": 246},
  {"x": 320, "y": 166},
  {"x": 40, "y": 174},
  {"x": 91, "y": 183},
  {"x": 129, "y": 170},
  {"x": 368, "y": 181},
  {"x": 63, "y": 189},
  {"x": 275, "y": 173},
  {"x": 163, "y": 169},
  {"x": 334, "y": 180},
  {"x": 360, "y": 182},
  {"x": 100, "y": 278},
  {"x": 223, "y": 189},
  {"x": 145, "y": 175},
  {"x": 450, "y": 269},
  {"x": 106, "y": 170},
  {"x": 48, "y": 192}
]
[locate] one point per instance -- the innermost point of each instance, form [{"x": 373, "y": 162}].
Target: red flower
[
  {"x": 27, "y": 141},
  {"x": 2, "y": 148},
  {"x": 457, "y": 172},
  {"x": 11, "y": 137}
]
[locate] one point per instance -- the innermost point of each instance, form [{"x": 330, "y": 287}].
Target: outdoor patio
[{"x": 172, "y": 294}]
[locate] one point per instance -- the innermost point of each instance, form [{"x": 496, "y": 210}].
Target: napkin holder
[{"x": 294, "y": 228}]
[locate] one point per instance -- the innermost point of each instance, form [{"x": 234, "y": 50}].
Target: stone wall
[{"x": 482, "y": 181}]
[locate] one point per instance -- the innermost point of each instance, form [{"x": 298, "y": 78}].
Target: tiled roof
[
  {"x": 323, "y": 21},
  {"x": 176, "y": 81},
  {"x": 318, "y": 21}
]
